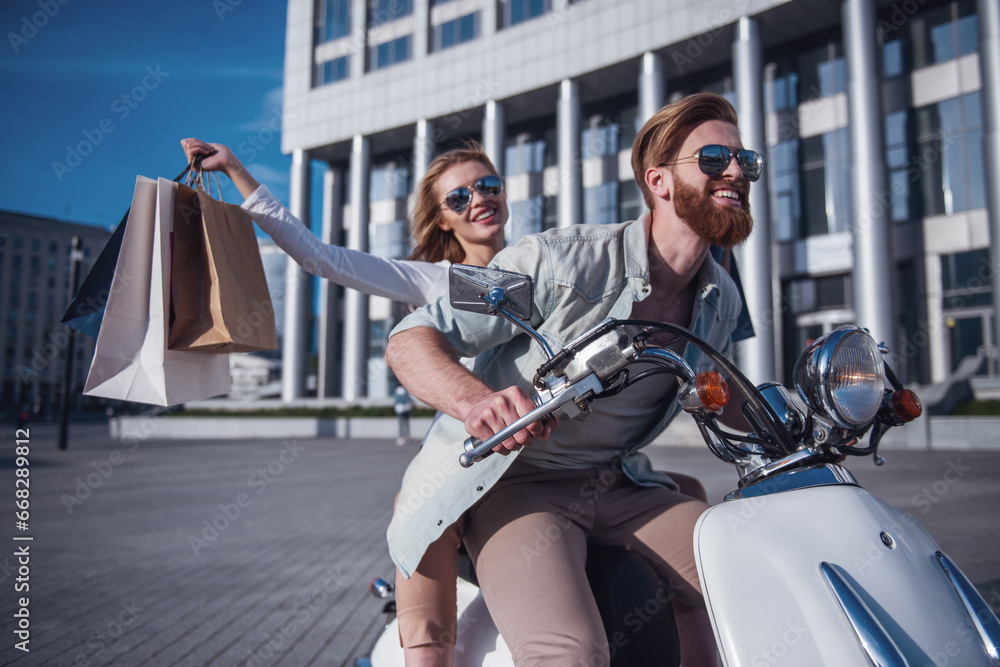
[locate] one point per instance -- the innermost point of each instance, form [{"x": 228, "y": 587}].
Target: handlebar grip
[
  {"x": 476, "y": 451},
  {"x": 467, "y": 459},
  {"x": 585, "y": 387}
]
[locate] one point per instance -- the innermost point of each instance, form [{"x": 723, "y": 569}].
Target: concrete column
[
  {"x": 756, "y": 355},
  {"x": 874, "y": 261},
  {"x": 355, "y": 378},
  {"x": 296, "y": 334},
  {"x": 651, "y": 86},
  {"x": 421, "y": 28},
  {"x": 989, "y": 66},
  {"x": 489, "y": 17},
  {"x": 570, "y": 172},
  {"x": 359, "y": 37},
  {"x": 423, "y": 149},
  {"x": 328, "y": 340},
  {"x": 493, "y": 134}
]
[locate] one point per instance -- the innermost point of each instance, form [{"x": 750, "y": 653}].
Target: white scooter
[{"x": 799, "y": 565}]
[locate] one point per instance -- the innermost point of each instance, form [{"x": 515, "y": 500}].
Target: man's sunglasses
[
  {"x": 459, "y": 199},
  {"x": 713, "y": 159}
]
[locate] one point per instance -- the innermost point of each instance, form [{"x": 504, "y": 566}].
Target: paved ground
[{"x": 260, "y": 553}]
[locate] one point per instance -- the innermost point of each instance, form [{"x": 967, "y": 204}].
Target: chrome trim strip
[
  {"x": 874, "y": 638},
  {"x": 828, "y": 474},
  {"x": 793, "y": 460},
  {"x": 976, "y": 607}
]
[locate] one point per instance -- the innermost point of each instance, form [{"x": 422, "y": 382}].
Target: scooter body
[{"x": 829, "y": 575}]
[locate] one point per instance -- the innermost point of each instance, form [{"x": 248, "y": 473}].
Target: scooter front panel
[{"x": 760, "y": 563}]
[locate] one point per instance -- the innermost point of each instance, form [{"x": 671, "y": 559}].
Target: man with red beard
[{"x": 528, "y": 515}]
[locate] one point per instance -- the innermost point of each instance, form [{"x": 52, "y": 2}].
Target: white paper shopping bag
[{"x": 131, "y": 359}]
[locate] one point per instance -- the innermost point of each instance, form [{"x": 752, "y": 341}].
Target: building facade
[
  {"x": 878, "y": 122},
  {"x": 35, "y": 280}
]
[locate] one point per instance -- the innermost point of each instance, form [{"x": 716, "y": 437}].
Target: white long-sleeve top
[{"x": 411, "y": 282}]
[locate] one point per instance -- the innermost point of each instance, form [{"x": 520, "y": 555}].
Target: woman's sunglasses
[
  {"x": 459, "y": 199},
  {"x": 713, "y": 159}
]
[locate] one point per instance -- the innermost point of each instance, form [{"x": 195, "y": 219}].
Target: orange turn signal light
[
  {"x": 712, "y": 390},
  {"x": 906, "y": 405}
]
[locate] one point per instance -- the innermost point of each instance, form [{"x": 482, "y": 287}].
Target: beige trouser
[
  {"x": 528, "y": 538},
  {"x": 425, "y": 603}
]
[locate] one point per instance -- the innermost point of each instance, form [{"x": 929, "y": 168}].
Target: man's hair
[{"x": 664, "y": 133}]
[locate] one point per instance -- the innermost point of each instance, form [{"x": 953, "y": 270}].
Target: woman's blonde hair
[{"x": 433, "y": 243}]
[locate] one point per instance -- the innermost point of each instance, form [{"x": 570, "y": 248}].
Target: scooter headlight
[{"x": 842, "y": 376}]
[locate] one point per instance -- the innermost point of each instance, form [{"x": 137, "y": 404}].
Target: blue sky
[{"x": 96, "y": 93}]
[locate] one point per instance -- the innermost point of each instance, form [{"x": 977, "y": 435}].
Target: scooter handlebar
[{"x": 476, "y": 449}]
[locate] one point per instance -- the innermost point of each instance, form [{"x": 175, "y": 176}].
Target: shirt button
[
  {"x": 479, "y": 488},
  {"x": 440, "y": 521}
]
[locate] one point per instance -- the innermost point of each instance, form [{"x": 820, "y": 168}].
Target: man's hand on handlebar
[{"x": 497, "y": 410}]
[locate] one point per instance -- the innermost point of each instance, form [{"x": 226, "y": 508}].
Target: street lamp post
[{"x": 75, "y": 255}]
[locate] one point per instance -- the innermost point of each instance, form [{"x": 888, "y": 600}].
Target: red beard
[{"x": 723, "y": 226}]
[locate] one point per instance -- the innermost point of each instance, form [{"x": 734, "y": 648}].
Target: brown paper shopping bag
[
  {"x": 219, "y": 292},
  {"x": 131, "y": 360}
]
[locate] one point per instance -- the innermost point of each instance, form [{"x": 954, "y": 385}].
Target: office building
[
  {"x": 35, "y": 275},
  {"x": 878, "y": 122}
]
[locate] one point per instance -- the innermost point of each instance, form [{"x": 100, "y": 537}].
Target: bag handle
[{"x": 198, "y": 180}]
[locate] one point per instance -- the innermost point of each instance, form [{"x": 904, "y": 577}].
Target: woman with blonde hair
[{"x": 459, "y": 216}]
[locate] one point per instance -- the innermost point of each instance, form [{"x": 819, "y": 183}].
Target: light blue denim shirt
[{"x": 582, "y": 275}]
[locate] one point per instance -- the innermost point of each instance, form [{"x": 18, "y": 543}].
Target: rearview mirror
[{"x": 479, "y": 289}]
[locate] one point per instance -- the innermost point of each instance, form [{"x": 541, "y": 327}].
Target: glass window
[
  {"x": 525, "y": 218},
  {"x": 454, "y": 32},
  {"x": 943, "y": 33},
  {"x": 826, "y": 183},
  {"x": 786, "y": 206},
  {"x": 599, "y": 139},
  {"x": 390, "y": 240},
  {"x": 784, "y": 92},
  {"x": 892, "y": 58},
  {"x": 630, "y": 202},
  {"x": 550, "y": 212},
  {"x": 384, "y": 11},
  {"x": 333, "y": 20},
  {"x": 390, "y": 53},
  {"x": 949, "y": 155},
  {"x": 965, "y": 337},
  {"x": 600, "y": 204},
  {"x": 333, "y": 71},
  {"x": 898, "y": 164},
  {"x": 821, "y": 293},
  {"x": 822, "y": 71},
  {"x": 628, "y": 126},
  {"x": 966, "y": 279},
  {"x": 388, "y": 181},
  {"x": 524, "y": 154},
  {"x": 518, "y": 11}
]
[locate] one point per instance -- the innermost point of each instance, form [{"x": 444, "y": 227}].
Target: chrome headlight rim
[{"x": 820, "y": 354}]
